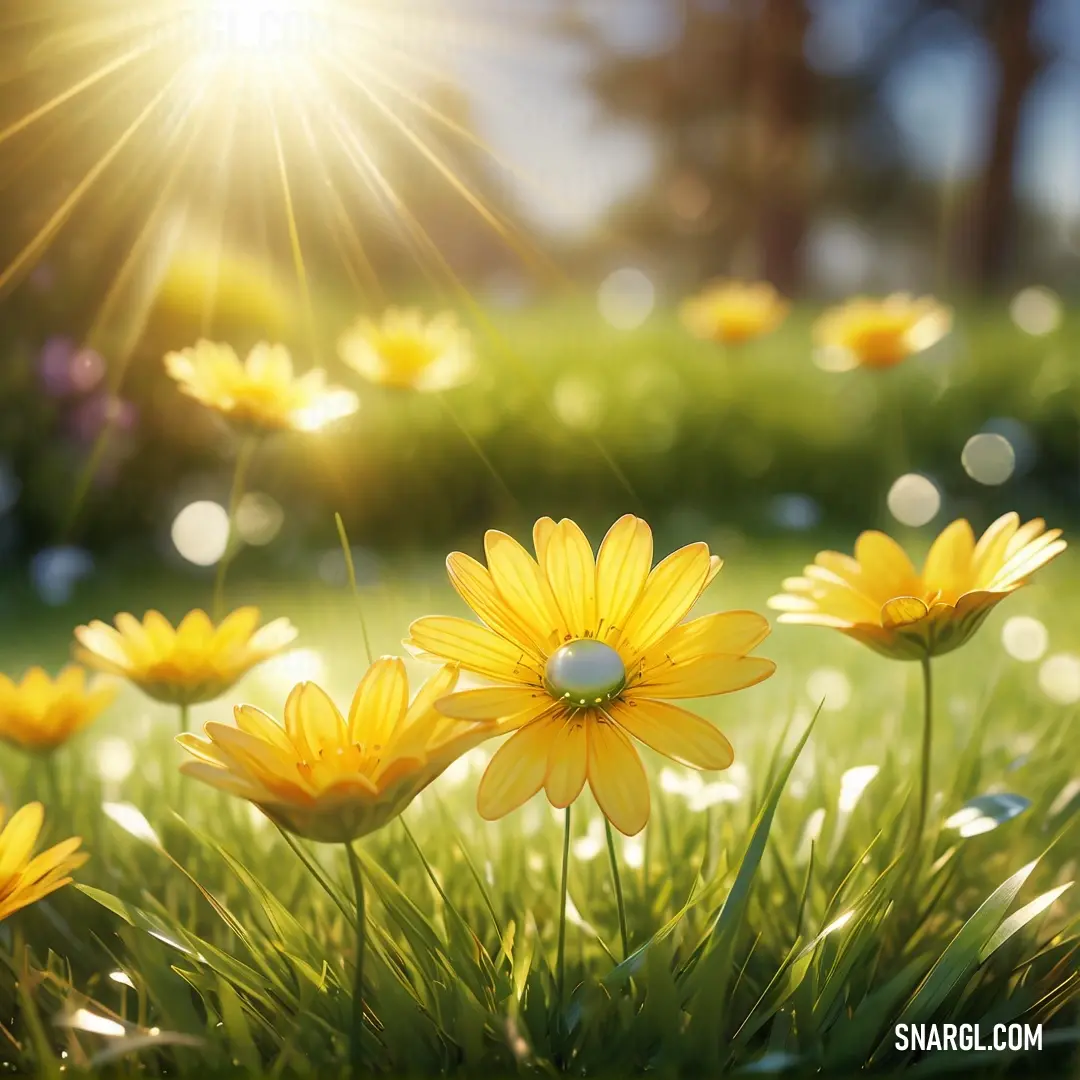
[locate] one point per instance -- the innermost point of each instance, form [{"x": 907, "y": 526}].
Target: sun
[{"x": 259, "y": 35}]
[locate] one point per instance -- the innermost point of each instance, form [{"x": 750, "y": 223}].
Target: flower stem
[
  {"x": 927, "y": 739},
  {"x": 618, "y": 889},
  {"x": 560, "y": 959},
  {"x": 185, "y": 724},
  {"x": 243, "y": 463},
  {"x": 350, "y": 569},
  {"x": 356, "y": 1035},
  {"x": 54, "y": 794}
]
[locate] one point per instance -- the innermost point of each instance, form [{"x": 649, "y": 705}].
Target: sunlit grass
[{"x": 239, "y": 954}]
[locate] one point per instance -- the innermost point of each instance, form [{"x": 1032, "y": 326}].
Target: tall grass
[{"x": 778, "y": 916}]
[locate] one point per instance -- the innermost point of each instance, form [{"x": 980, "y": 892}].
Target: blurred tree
[
  {"x": 994, "y": 235},
  {"x": 759, "y": 128}
]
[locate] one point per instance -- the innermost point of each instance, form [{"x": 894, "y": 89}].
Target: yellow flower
[
  {"x": 332, "y": 779},
  {"x": 734, "y": 311},
  {"x": 879, "y": 598},
  {"x": 881, "y": 333},
  {"x": 194, "y": 663},
  {"x": 41, "y": 713},
  {"x": 262, "y": 392},
  {"x": 25, "y": 880},
  {"x": 586, "y": 650},
  {"x": 402, "y": 351}
]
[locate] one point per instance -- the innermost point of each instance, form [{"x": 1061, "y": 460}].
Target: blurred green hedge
[{"x": 573, "y": 417}]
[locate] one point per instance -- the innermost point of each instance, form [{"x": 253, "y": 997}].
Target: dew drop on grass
[{"x": 986, "y": 812}]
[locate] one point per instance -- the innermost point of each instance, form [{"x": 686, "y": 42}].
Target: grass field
[{"x": 780, "y": 916}]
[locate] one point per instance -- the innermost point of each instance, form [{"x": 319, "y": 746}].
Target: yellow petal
[
  {"x": 256, "y": 762},
  {"x": 236, "y": 629},
  {"x": 789, "y": 603},
  {"x": 703, "y": 676},
  {"x": 734, "y": 633},
  {"x": 948, "y": 566},
  {"x": 901, "y": 611},
  {"x": 524, "y": 588},
  {"x": 195, "y": 631},
  {"x": 474, "y": 647},
  {"x": 1024, "y": 535},
  {"x": 256, "y": 722},
  {"x": 516, "y": 772},
  {"x": 204, "y": 749},
  {"x": 671, "y": 590},
  {"x": 161, "y": 632},
  {"x": 271, "y": 638},
  {"x": 989, "y": 553},
  {"x": 885, "y": 570},
  {"x": 379, "y": 703},
  {"x": 622, "y": 568},
  {"x": 542, "y": 532},
  {"x": 58, "y": 857},
  {"x": 228, "y": 782},
  {"x": 1027, "y": 560},
  {"x": 567, "y": 763},
  {"x": 476, "y": 587},
  {"x": 137, "y": 641},
  {"x": 716, "y": 564},
  {"x": 571, "y": 573},
  {"x": 19, "y": 837},
  {"x": 101, "y": 641},
  {"x": 491, "y": 704},
  {"x": 324, "y": 727},
  {"x": 674, "y": 732},
  {"x": 617, "y": 777},
  {"x": 437, "y": 686}
]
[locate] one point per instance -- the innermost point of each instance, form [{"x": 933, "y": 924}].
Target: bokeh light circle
[
  {"x": 578, "y": 402},
  {"x": 1024, "y": 638},
  {"x": 1059, "y": 678},
  {"x": 626, "y": 298},
  {"x": 988, "y": 458},
  {"x": 259, "y": 519},
  {"x": 829, "y": 686},
  {"x": 1036, "y": 310},
  {"x": 115, "y": 759},
  {"x": 200, "y": 532},
  {"x": 914, "y": 500}
]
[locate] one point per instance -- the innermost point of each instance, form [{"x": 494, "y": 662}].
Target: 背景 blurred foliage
[{"x": 573, "y": 417}]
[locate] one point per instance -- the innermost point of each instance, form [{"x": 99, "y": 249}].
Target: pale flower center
[{"x": 585, "y": 672}]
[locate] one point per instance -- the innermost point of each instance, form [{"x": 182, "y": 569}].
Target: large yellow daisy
[
  {"x": 585, "y": 650},
  {"x": 332, "y": 778},
  {"x": 880, "y": 599}
]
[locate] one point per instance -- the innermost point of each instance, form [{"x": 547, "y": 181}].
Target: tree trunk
[
  {"x": 994, "y": 235},
  {"x": 783, "y": 115}
]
